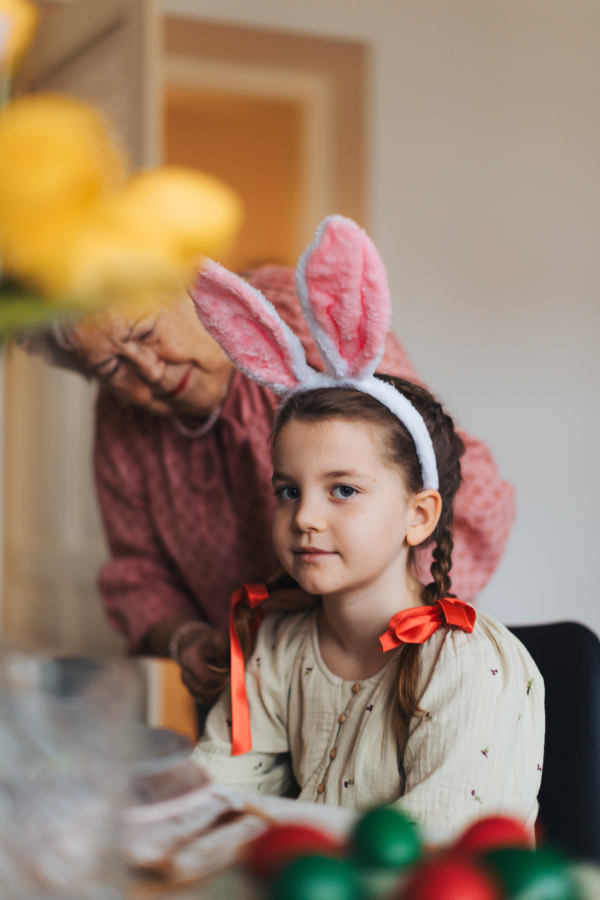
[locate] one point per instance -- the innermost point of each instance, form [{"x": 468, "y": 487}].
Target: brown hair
[{"x": 399, "y": 449}]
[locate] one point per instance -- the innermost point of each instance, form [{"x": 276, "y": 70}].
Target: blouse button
[
  {"x": 341, "y": 719},
  {"x": 355, "y": 688},
  {"x": 332, "y": 753},
  {"x": 320, "y": 788}
]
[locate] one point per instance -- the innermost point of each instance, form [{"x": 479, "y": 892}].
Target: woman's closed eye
[
  {"x": 343, "y": 491},
  {"x": 115, "y": 371},
  {"x": 142, "y": 332},
  {"x": 144, "y": 335},
  {"x": 107, "y": 369},
  {"x": 287, "y": 492}
]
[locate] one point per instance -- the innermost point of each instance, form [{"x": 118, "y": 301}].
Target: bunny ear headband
[{"x": 342, "y": 287}]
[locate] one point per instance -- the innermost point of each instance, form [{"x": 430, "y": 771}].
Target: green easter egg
[
  {"x": 316, "y": 878},
  {"x": 384, "y": 837},
  {"x": 532, "y": 875}
]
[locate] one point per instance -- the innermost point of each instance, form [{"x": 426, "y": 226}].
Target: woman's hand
[
  {"x": 199, "y": 648},
  {"x": 202, "y": 650},
  {"x": 202, "y": 654}
]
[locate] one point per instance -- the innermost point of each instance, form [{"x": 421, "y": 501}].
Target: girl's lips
[{"x": 312, "y": 553}]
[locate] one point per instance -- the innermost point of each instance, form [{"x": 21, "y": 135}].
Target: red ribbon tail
[
  {"x": 241, "y": 736},
  {"x": 459, "y": 613},
  {"x": 388, "y": 641}
]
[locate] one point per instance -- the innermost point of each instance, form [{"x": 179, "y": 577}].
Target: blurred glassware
[{"x": 65, "y": 752}]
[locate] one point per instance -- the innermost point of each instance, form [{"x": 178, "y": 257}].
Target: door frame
[{"x": 311, "y": 92}]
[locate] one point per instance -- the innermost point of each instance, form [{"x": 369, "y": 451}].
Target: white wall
[{"x": 485, "y": 203}]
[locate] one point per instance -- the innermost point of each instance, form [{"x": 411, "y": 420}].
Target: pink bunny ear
[
  {"x": 249, "y": 329},
  {"x": 342, "y": 285}
]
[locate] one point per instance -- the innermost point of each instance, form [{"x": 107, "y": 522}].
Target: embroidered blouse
[
  {"x": 477, "y": 750},
  {"x": 189, "y": 521}
]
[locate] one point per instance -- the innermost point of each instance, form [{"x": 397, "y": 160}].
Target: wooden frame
[{"x": 337, "y": 67}]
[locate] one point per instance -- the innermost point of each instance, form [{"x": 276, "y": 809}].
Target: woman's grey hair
[{"x": 55, "y": 345}]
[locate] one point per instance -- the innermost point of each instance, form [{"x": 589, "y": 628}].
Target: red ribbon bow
[
  {"x": 241, "y": 737},
  {"x": 417, "y": 624}
]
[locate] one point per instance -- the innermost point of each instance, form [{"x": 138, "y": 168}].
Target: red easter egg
[
  {"x": 280, "y": 844},
  {"x": 450, "y": 878},
  {"x": 492, "y": 833}
]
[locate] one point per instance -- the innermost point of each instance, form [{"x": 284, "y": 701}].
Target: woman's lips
[{"x": 179, "y": 388}]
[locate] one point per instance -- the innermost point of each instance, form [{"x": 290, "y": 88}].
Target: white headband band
[{"x": 342, "y": 287}]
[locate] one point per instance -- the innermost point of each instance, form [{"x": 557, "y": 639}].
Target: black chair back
[{"x": 568, "y": 657}]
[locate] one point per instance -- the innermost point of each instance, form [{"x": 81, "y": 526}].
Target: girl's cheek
[{"x": 278, "y": 527}]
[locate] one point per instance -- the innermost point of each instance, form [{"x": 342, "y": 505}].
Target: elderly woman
[{"x": 183, "y": 475}]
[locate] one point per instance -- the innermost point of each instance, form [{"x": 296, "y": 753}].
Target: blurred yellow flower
[
  {"x": 144, "y": 239},
  {"x": 112, "y": 258},
  {"x": 75, "y": 232},
  {"x": 56, "y": 161},
  {"x": 18, "y": 21},
  {"x": 199, "y": 213}
]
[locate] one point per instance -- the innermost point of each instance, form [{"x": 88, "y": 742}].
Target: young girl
[{"x": 386, "y": 689}]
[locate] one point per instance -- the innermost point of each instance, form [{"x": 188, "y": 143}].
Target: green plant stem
[{"x": 20, "y": 310}]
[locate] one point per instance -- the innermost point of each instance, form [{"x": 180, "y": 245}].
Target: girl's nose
[{"x": 309, "y": 515}]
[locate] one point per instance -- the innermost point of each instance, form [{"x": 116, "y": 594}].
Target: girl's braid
[{"x": 449, "y": 448}]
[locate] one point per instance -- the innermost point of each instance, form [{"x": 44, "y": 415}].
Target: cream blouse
[{"x": 477, "y": 750}]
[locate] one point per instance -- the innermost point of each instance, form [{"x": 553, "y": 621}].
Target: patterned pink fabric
[{"x": 188, "y": 521}]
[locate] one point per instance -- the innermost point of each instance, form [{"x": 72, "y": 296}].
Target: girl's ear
[{"x": 425, "y": 509}]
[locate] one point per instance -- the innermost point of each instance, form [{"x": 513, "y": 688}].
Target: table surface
[{"x": 233, "y": 883}]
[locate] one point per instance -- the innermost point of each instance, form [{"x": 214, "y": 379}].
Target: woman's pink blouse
[{"x": 188, "y": 521}]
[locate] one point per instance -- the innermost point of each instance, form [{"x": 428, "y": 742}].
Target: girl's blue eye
[
  {"x": 344, "y": 491},
  {"x": 287, "y": 493}
]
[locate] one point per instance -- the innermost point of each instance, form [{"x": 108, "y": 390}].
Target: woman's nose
[{"x": 149, "y": 366}]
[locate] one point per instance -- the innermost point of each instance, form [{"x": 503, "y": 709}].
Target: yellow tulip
[
  {"x": 73, "y": 230},
  {"x": 141, "y": 241},
  {"x": 56, "y": 161},
  {"x": 113, "y": 259},
  {"x": 18, "y": 21},
  {"x": 200, "y": 214}
]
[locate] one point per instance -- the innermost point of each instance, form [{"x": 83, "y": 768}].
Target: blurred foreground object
[
  {"x": 65, "y": 752},
  {"x": 18, "y": 20},
  {"x": 76, "y": 235},
  {"x": 383, "y": 859}
]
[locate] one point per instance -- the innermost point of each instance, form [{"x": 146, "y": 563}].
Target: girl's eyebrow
[
  {"x": 281, "y": 476},
  {"x": 338, "y": 473}
]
